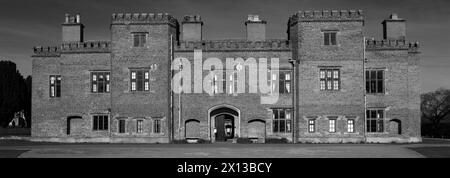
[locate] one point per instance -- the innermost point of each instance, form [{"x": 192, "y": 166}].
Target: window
[
  {"x": 329, "y": 38},
  {"x": 375, "y": 81},
  {"x": 139, "y": 39},
  {"x": 55, "y": 86},
  {"x": 329, "y": 79},
  {"x": 100, "y": 82},
  {"x": 282, "y": 120},
  {"x": 139, "y": 126},
  {"x": 121, "y": 126},
  {"x": 156, "y": 126},
  {"x": 332, "y": 125},
  {"x": 140, "y": 80},
  {"x": 100, "y": 122},
  {"x": 375, "y": 120},
  {"x": 311, "y": 125},
  {"x": 350, "y": 126},
  {"x": 283, "y": 80}
]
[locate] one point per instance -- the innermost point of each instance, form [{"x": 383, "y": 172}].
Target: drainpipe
[
  {"x": 294, "y": 95},
  {"x": 171, "y": 88},
  {"x": 365, "y": 95}
]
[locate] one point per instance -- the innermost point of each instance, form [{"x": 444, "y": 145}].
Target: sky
[{"x": 28, "y": 23}]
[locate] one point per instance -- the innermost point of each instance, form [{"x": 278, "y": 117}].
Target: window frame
[
  {"x": 351, "y": 125},
  {"x": 332, "y": 127},
  {"x": 157, "y": 126},
  {"x": 311, "y": 125},
  {"x": 139, "y": 80},
  {"x": 139, "y": 39},
  {"x": 139, "y": 126},
  {"x": 106, "y": 83},
  {"x": 96, "y": 124},
  {"x": 328, "y": 79},
  {"x": 378, "y": 121},
  {"x": 375, "y": 80},
  {"x": 55, "y": 87},
  {"x": 330, "y": 38},
  {"x": 279, "y": 121},
  {"x": 120, "y": 130}
]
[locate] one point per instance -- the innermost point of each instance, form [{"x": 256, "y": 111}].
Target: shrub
[
  {"x": 277, "y": 140},
  {"x": 244, "y": 140},
  {"x": 179, "y": 141}
]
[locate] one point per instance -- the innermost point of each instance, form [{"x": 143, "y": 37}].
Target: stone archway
[
  {"x": 257, "y": 130},
  {"x": 224, "y": 122}
]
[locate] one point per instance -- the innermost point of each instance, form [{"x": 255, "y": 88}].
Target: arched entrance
[
  {"x": 395, "y": 126},
  {"x": 224, "y": 123}
]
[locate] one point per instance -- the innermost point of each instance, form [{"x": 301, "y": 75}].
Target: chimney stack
[
  {"x": 192, "y": 28},
  {"x": 394, "y": 28},
  {"x": 72, "y": 29},
  {"x": 256, "y": 28}
]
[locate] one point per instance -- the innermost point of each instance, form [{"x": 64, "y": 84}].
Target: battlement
[
  {"x": 235, "y": 45},
  {"x": 326, "y": 15},
  {"x": 72, "y": 19},
  {"x": 73, "y": 47},
  {"x": 143, "y": 18},
  {"x": 192, "y": 19},
  {"x": 392, "y": 45},
  {"x": 86, "y": 47},
  {"x": 48, "y": 51},
  {"x": 254, "y": 19}
]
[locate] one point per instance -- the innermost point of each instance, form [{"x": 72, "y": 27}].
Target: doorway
[{"x": 224, "y": 127}]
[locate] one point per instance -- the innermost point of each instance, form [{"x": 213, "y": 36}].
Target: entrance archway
[{"x": 224, "y": 122}]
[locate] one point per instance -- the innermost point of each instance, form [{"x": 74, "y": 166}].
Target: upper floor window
[
  {"x": 329, "y": 79},
  {"x": 282, "y": 120},
  {"x": 139, "y": 39},
  {"x": 100, "y": 122},
  {"x": 329, "y": 38},
  {"x": 100, "y": 82},
  {"x": 281, "y": 82},
  {"x": 140, "y": 80},
  {"x": 375, "y": 81},
  {"x": 375, "y": 120},
  {"x": 55, "y": 86}
]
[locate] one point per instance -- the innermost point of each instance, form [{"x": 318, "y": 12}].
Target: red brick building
[{"x": 333, "y": 84}]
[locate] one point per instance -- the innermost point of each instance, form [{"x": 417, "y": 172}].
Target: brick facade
[{"x": 156, "y": 114}]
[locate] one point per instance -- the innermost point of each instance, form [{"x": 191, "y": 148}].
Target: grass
[{"x": 433, "y": 152}]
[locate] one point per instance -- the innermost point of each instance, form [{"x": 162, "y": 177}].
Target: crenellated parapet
[
  {"x": 392, "y": 45},
  {"x": 326, "y": 15},
  {"x": 192, "y": 19},
  {"x": 143, "y": 18},
  {"x": 86, "y": 47},
  {"x": 48, "y": 51},
  {"x": 234, "y": 45},
  {"x": 73, "y": 47}
]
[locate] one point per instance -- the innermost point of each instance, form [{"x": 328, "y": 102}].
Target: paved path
[{"x": 51, "y": 150}]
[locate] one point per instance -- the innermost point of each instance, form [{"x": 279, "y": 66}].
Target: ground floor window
[
  {"x": 375, "y": 120},
  {"x": 157, "y": 126},
  {"x": 311, "y": 125},
  {"x": 350, "y": 125},
  {"x": 139, "y": 126},
  {"x": 332, "y": 123},
  {"x": 282, "y": 120},
  {"x": 121, "y": 126},
  {"x": 100, "y": 122}
]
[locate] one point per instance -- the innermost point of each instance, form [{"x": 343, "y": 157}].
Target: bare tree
[{"x": 435, "y": 107}]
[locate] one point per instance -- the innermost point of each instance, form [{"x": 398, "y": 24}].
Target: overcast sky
[{"x": 28, "y": 23}]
